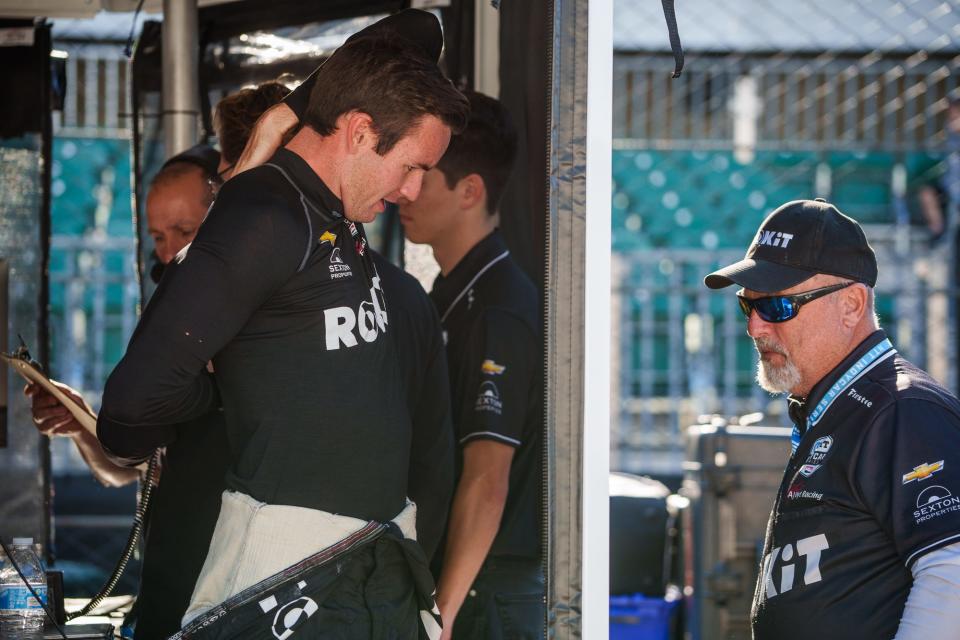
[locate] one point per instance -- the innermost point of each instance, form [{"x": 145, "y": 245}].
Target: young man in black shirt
[
  {"x": 864, "y": 537},
  {"x": 491, "y": 581},
  {"x": 280, "y": 291}
]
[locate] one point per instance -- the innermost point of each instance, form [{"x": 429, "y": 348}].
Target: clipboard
[{"x": 31, "y": 371}]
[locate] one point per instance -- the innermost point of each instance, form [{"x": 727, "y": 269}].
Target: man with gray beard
[
  {"x": 772, "y": 378},
  {"x": 863, "y": 541}
]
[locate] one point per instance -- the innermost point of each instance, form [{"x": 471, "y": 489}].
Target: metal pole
[{"x": 181, "y": 90}]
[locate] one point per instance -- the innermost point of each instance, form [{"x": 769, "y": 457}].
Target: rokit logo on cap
[{"x": 773, "y": 238}]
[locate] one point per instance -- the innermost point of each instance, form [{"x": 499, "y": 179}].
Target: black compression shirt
[
  {"x": 489, "y": 310},
  {"x": 872, "y": 487},
  {"x": 177, "y": 537},
  {"x": 179, "y": 522},
  {"x": 274, "y": 290}
]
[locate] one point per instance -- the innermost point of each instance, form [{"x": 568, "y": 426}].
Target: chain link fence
[{"x": 846, "y": 100}]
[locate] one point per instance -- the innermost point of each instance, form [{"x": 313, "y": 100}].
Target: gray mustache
[{"x": 766, "y": 344}]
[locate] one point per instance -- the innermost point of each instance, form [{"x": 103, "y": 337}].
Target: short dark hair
[
  {"x": 174, "y": 170},
  {"x": 390, "y": 80},
  {"x": 487, "y": 147},
  {"x": 236, "y": 114}
]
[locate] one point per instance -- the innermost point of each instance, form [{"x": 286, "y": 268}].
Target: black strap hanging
[{"x": 671, "y": 17}]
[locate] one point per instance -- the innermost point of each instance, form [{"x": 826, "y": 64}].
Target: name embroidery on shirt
[
  {"x": 859, "y": 398},
  {"x": 786, "y": 559}
]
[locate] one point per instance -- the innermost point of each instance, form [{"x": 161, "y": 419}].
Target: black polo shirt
[
  {"x": 491, "y": 319},
  {"x": 873, "y": 486},
  {"x": 279, "y": 291}
]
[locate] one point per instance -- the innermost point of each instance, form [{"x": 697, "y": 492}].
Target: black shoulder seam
[
  {"x": 882, "y": 414},
  {"x": 306, "y": 214},
  {"x": 306, "y": 253},
  {"x": 883, "y": 391}
]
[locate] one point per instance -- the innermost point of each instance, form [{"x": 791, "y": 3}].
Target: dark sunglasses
[{"x": 783, "y": 308}]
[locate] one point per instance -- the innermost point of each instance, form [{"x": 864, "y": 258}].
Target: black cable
[
  {"x": 128, "y": 49},
  {"x": 135, "y": 531},
  {"x": 45, "y": 606},
  {"x": 136, "y": 152},
  {"x": 675, "y": 45},
  {"x": 146, "y": 490}
]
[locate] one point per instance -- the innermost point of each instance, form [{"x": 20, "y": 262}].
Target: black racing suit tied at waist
[{"x": 374, "y": 582}]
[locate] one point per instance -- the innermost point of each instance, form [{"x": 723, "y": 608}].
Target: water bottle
[{"x": 19, "y": 610}]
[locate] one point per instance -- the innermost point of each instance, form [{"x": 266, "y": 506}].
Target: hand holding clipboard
[{"x": 31, "y": 371}]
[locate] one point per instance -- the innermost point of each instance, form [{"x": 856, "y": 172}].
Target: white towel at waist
[{"x": 254, "y": 540}]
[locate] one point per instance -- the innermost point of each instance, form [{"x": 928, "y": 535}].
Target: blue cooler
[{"x": 639, "y": 617}]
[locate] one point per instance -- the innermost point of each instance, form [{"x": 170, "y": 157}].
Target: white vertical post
[
  {"x": 486, "y": 49},
  {"x": 596, "y": 393}
]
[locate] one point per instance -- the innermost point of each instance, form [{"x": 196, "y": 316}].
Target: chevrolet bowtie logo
[
  {"x": 328, "y": 237},
  {"x": 922, "y": 472},
  {"x": 491, "y": 368}
]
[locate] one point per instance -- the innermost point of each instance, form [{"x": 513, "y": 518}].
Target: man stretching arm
[{"x": 279, "y": 288}]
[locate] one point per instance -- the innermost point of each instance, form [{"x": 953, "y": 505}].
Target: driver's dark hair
[
  {"x": 390, "y": 80},
  {"x": 486, "y": 147}
]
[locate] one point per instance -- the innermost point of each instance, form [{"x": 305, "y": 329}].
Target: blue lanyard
[{"x": 882, "y": 351}]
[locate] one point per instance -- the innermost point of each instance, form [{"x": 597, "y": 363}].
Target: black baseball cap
[
  {"x": 419, "y": 30},
  {"x": 797, "y": 241},
  {"x": 418, "y": 27}
]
